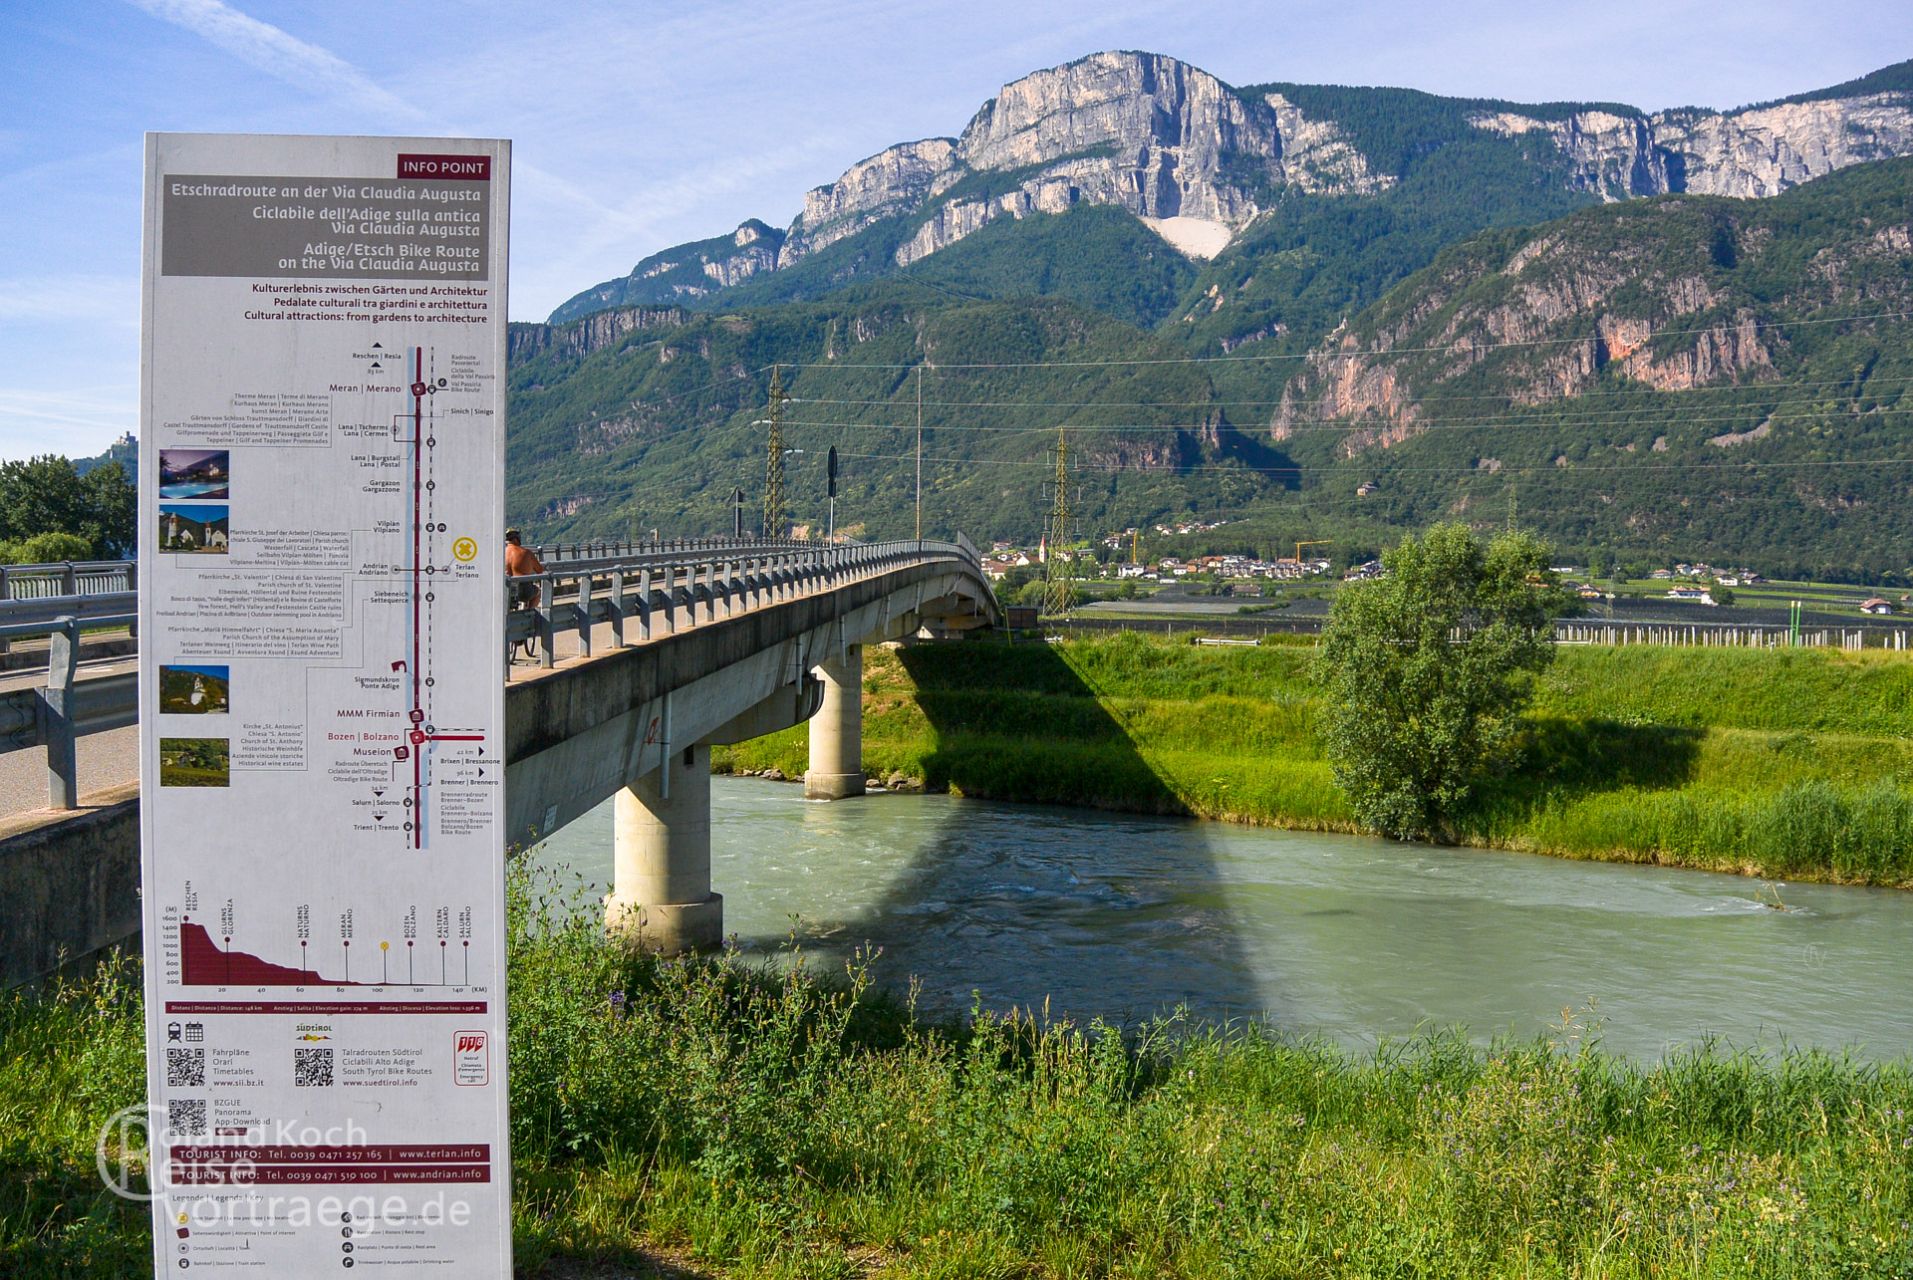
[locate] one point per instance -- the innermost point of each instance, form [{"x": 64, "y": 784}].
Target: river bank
[
  {"x": 1781, "y": 764},
  {"x": 723, "y": 1120}
]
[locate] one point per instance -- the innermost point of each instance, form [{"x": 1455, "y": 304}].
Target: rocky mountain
[
  {"x": 1646, "y": 376},
  {"x": 1665, "y": 295},
  {"x": 1676, "y": 377},
  {"x": 1208, "y": 167}
]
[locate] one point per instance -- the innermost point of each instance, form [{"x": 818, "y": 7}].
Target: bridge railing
[
  {"x": 67, "y": 578},
  {"x": 673, "y": 587},
  {"x": 662, "y": 585}
]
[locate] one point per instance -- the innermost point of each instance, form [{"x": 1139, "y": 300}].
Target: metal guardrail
[
  {"x": 65, "y": 708},
  {"x": 674, "y": 586},
  {"x": 46, "y": 614},
  {"x": 65, "y": 579}
]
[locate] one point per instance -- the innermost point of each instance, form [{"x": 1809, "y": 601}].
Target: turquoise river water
[{"x": 1358, "y": 939}]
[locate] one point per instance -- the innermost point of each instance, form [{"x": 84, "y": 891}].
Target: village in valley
[{"x": 1133, "y": 560}]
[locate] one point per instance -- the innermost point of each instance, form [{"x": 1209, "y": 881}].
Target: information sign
[{"x": 322, "y": 703}]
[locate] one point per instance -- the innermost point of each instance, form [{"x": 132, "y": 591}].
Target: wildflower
[{"x": 617, "y": 1003}]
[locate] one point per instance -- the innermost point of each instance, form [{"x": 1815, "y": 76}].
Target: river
[{"x": 1357, "y": 939}]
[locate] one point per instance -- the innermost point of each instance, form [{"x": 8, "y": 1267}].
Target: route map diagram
[{"x": 417, "y": 430}]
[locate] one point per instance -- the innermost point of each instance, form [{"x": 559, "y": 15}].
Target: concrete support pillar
[
  {"x": 837, "y": 731},
  {"x": 661, "y": 895}
]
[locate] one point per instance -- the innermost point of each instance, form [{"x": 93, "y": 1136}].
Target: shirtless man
[{"x": 519, "y": 561}]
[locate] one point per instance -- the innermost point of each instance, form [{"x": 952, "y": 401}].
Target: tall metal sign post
[{"x": 322, "y": 703}]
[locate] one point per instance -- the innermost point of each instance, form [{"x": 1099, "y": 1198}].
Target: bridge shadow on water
[{"x": 1037, "y": 905}]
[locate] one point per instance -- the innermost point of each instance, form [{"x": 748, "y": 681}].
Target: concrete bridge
[
  {"x": 648, "y": 655},
  {"x": 735, "y": 643}
]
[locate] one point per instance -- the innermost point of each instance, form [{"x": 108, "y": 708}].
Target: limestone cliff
[
  {"x": 1139, "y": 131},
  {"x": 595, "y": 332},
  {"x": 896, "y": 180},
  {"x": 1760, "y": 151},
  {"x": 1198, "y": 161}
]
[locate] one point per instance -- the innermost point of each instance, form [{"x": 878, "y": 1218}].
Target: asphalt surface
[{"x": 105, "y": 759}]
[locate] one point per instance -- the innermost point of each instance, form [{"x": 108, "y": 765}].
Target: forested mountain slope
[
  {"x": 1305, "y": 200},
  {"x": 1676, "y": 377}
]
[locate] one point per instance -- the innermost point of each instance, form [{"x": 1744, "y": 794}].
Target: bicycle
[{"x": 524, "y": 596}]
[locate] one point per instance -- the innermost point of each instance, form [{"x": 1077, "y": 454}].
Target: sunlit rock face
[
  {"x": 1139, "y": 131},
  {"x": 1757, "y": 152}
]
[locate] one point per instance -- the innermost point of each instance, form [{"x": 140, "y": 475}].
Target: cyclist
[{"x": 519, "y": 561}]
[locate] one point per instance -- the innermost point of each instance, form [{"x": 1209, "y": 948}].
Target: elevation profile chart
[
  {"x": 206, "y": 962},
  {"x": 429, "y": 947},
  {"x": 322, "y": 799}
]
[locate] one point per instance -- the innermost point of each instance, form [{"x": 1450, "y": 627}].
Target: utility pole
[
  {"x": 919, "y": 452},
  {"x": 1059, "y": 593},
  {"x": 774, "y": 459}
]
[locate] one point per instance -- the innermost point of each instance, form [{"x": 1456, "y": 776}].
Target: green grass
[
  {"x": 1793, "y": 763},
  {"x": 738, "y": 1121}
]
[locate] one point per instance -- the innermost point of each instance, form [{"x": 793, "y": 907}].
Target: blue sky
[{"x": 640, "y": 125}]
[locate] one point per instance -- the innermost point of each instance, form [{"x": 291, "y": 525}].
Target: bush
[{"x": 46, "y": 548}]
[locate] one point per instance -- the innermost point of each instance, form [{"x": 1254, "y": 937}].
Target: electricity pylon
[
  {"x": 774, "y": 459},
  {"x": 1059, "y": 569}
]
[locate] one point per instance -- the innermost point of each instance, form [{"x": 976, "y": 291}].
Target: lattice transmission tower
[
  {"x": 1059, "y": 566},
  {"x": 774, "y": 521}
]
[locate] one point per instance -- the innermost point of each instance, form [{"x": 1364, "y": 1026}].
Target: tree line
[{"x": 50, "y": 512}]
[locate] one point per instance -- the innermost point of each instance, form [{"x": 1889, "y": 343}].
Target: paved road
[{"x": 106, "y": 759}]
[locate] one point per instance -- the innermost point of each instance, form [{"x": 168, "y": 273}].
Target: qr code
[
  {"x": 311, "y": 1067},
  {"x": 187, "y": 1117},
  {"x": 185, "y": 1068}
]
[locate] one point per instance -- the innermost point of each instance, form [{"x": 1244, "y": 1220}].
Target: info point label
[
  {"x": 322, "y": 705},
  {"x": 312, "y": 227}
]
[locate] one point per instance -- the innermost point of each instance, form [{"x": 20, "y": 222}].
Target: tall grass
[
  {"x": 753, "y": 1120},
  {"x": 1778, "y": 763}
]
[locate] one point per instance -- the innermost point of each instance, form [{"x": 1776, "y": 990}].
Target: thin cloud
[
  {"x": 23, "y": 411},
  {"x": 277, "y": 52},
  {"x": 298, "y": 62},
  {"x": 92, "y": 299}
]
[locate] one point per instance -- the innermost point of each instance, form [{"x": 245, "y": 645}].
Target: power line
[
  {"x": 1417, "y": 425},
  {"x": 1389, "y": 469},
  {"x": 1453, "y": 348},
  {"x": 1752, "y": 389}
]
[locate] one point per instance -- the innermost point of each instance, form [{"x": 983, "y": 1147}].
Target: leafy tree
[
  {"x": 1428, "y": 668},
  {"x": 112, "y": 510},
  {"x": 1722, "y": 595},
  {"x": 40, "y": 495},
  {"x": 45, "y": 495},
  {"x": 45, "y": 548}
]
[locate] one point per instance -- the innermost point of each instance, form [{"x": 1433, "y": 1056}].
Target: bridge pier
[
  {"x": 837, "y": 730},
  {"x": 661, "y": 895}
]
